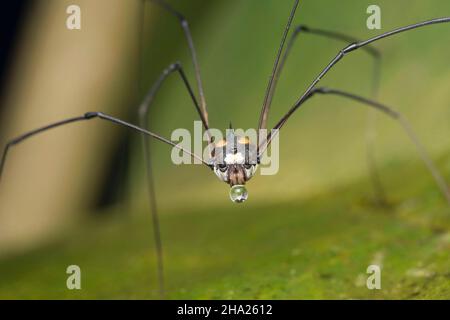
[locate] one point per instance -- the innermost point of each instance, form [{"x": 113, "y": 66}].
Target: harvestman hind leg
[
  {"x": 379, "y": 193},
  {"x": 143, "y": 119},
  {"x": 440, "y": 181}
]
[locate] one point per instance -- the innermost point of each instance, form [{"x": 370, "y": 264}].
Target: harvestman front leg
[
  {"x": 373, "y": 52},
  {"x": 143, "y": 118},
  {"x": 340, "y": 55},
  {"x": 380, "y": 195},
  {"x": 440, "y": 181},
  {"x": 89, "y": 116}
]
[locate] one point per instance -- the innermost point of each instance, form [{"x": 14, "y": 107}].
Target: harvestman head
[{"x": 234, "y": 159}]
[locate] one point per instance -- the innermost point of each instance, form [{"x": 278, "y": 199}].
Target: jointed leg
[
  {"x": 27, "y": 135},
  {"x": 143, "y": 119},
  {"x": 272, "y": 80},
  {"x": 102, "y": 116},
  {"x": 145, "y": 105},
  {"x": 440, "y": 181},
  {"x": 187, "y": 33},
  {"x": 263, "y": 145},
  {"x": 342, "y": 53},
  {"x": 89, "y": 116},
  {"x": 373, "y": 52},
  {"x": 379, "y": 192}
]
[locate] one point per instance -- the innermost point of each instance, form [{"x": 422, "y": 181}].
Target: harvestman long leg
[
  {"x": 379, "y": 192},
  {"x": 89, "y": 116},
  {"x": 440, "y": 181},
  {"x": 188, "y": 35},
  {"x": 263, "y": 145},
  {"x": 342, "y": 53},
  {"x": 273, "y": 77},
  {"x": 143, "y": 118},
  {"x": 373, "y": 52}
]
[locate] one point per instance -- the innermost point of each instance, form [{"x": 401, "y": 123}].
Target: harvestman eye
[
  {"x": 237, "y": 178},
  {"x": 247, "y": 166},
  {"x": 222, "y": 166}
]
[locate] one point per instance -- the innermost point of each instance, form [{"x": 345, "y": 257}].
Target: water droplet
[{"x": 238, "y": 193}]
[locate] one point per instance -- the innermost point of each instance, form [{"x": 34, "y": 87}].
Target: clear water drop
[{"x": 238, "y": 193}]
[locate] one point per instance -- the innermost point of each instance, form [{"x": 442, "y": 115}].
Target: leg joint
[
  {"x": 91, "y": 115},
  {"x": 351, "y": 47},
  {"x": 174, "y": 66}
]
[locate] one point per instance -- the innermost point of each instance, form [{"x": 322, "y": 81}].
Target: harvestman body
[{"x": 234, "y": 159}]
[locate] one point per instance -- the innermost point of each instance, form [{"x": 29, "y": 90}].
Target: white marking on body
[{"x": 236, "y": 158}]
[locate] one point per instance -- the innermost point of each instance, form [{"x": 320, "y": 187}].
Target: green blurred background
[{"x": 308, "y": 232}]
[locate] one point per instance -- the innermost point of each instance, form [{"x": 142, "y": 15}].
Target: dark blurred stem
[{"x": 2, "y": 163}]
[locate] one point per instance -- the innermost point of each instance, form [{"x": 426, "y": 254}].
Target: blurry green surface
[{"x": 306, "y": 249}]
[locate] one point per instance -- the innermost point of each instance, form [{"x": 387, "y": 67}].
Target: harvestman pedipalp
[{"x": 235, "y": 171}]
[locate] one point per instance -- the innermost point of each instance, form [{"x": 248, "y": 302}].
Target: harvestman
[{"x": 235, "y": 158}]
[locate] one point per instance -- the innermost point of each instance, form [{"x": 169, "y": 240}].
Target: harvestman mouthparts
[{"x": 234, "y": 168}]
